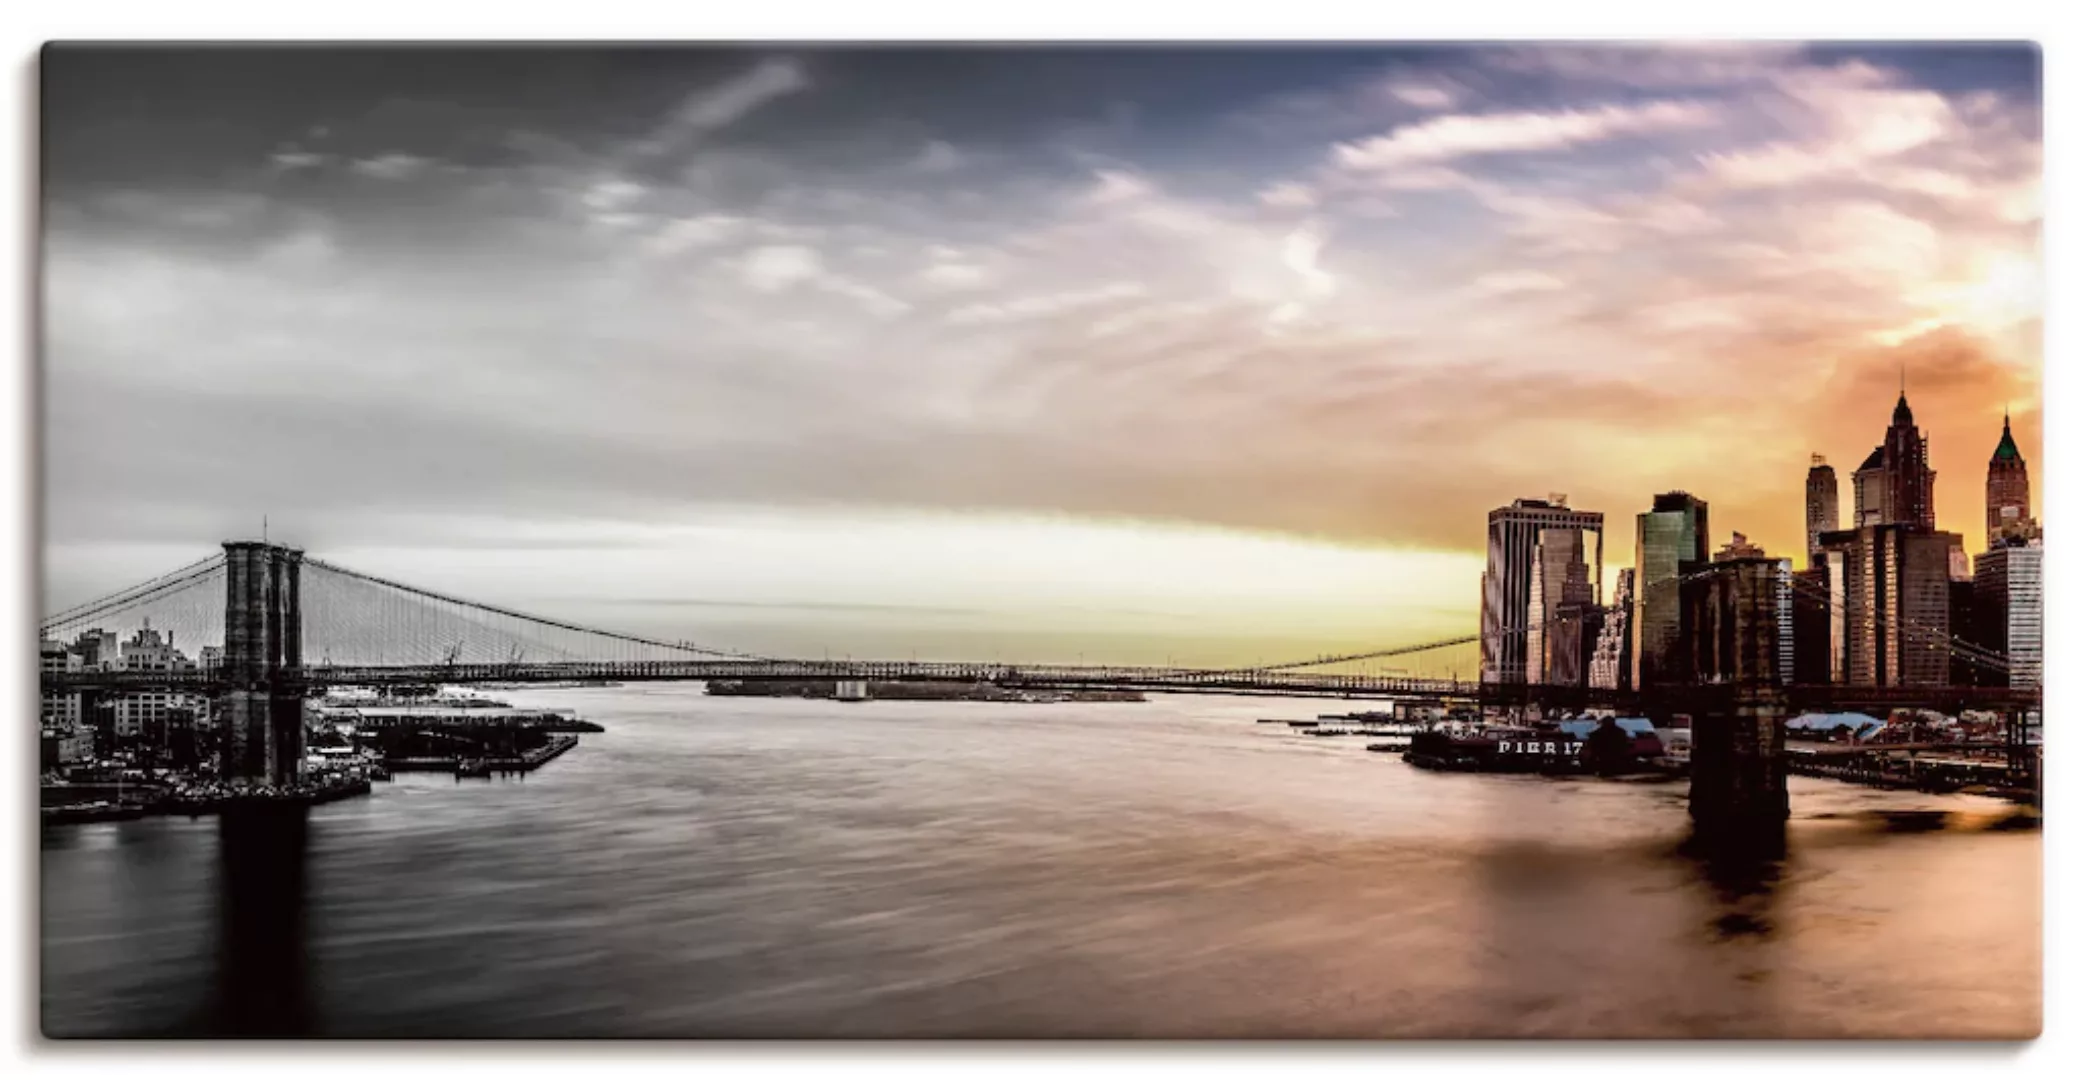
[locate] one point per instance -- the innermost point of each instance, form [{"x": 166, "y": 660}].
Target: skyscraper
[
  {"x": 1822, "y": 505},
  {"x": 1558, "y": 598},
  {"x": 1894, "y": 485},
  {"x": 2009, "y": 491},
  {"x": 1671, "y": 532},
  {"x": 1892, "y": 575},
  {"x": 2009, "y": 607},
  {"x": 1891, "y": 590},
  {"x": 1612, "y": 664},
  {"x": 1515, "y": 542}
]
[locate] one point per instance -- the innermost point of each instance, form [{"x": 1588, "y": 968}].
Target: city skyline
[{"x": 1239, "y": 344}]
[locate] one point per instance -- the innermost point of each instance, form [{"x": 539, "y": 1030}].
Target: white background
[{"x": 31, "y": 24}]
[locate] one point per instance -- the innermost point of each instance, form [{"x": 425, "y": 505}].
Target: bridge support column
[
  {"x": 1739, "y": 763},
  {"x": 2021, "y": 763},
  {"x": 262, "y": 707}
]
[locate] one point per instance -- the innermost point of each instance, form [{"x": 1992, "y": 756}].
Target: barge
[{"x": 1578, "y": 749}]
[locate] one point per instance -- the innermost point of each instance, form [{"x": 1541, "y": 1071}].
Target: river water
[{"x": 754, "y": 867}]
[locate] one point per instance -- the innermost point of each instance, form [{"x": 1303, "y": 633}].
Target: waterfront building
[
  {"x": 1673, "y": 531},
  {"x": 1822, "y": 506},
  {"x": 1736, "y": 618},
  {"x": 1891, "y": 601},
  {"x": 98, "y": 649},
  {"x": 1611, "y": 666},
  {"x": 150, "y": 650},
  {"x": 66, "y": 746},
  {"x": 142, "y": 713},
  {"x": 2009, "y": 489},
  {"x": 59, "y": 712},
  {"x": 1894, "y": 485},
  {"x": 1514, "y": 543},
  {"x": 2010, "y": 608}
]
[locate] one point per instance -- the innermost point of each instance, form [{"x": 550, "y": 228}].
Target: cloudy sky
[{"x": 1117, "y": 351}]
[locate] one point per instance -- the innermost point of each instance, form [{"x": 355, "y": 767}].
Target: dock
[{"x": 480, "y": 765}]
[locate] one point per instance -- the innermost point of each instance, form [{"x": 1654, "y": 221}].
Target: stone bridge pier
[
  {"x": 261, "y": 710},
  {"x": 1739, "y": 762}
]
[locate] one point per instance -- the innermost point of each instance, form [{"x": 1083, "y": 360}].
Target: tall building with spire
[
  {"x": 1894, "y": 485},
  {"x": 1822, "y": 505},
  {"x": 2010, "y": 492},
  {"x": 1891, "y": 573}
]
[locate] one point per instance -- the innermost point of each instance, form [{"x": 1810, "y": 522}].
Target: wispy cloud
[
  {"x": 1449, "y": 137},
  {"x": 391, "y": 166},
  {"x": 714, "y": 108}
]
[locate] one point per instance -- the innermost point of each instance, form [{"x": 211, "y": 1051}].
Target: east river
[{"x": 751, "y": 867}]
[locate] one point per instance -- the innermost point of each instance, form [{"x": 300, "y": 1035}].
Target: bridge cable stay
[
  {"x": 353, "y": 622},
  {"x": 135, "y": 594},
  {"x": 430, "y": 623},
  {"x": 186, "y": 610},
  {"x": 1325, "y": 661}
]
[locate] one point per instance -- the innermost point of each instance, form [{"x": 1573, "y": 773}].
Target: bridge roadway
[
  {"x": 1066, "y": 677},
  {"x": 1039, "y": 677}
]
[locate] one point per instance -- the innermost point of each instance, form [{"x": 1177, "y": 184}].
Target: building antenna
[{"x": 263, "y": 529}]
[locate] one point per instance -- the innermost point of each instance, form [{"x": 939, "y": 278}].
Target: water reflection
[
  {"x": 262, "y": 981},
  {"x": 1742, "y": 869}
]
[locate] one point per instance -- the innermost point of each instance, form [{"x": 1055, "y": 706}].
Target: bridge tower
[{"x": 262, "y": 708}]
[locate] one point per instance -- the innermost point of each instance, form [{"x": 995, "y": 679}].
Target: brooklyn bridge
[{"x": 292, "y": 624}]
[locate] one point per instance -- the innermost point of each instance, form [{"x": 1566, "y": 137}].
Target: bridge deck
[{"x": 1067, "y": 677}]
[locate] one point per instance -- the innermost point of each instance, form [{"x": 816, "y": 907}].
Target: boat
[{"x": 473, "y": 768}]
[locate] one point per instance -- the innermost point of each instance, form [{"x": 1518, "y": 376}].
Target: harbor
[
  {"x": 352, "y": 741},
  {"x": 1908, "y": 750},
  {"x": 525, "y": 761},
  {"x": 79, "y": 804}
]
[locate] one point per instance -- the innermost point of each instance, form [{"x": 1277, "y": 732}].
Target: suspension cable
[
  {"x": 524, "y": 616},
  {"x": 131, "y": 598},
  {"x": 91, "y": 608}
]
